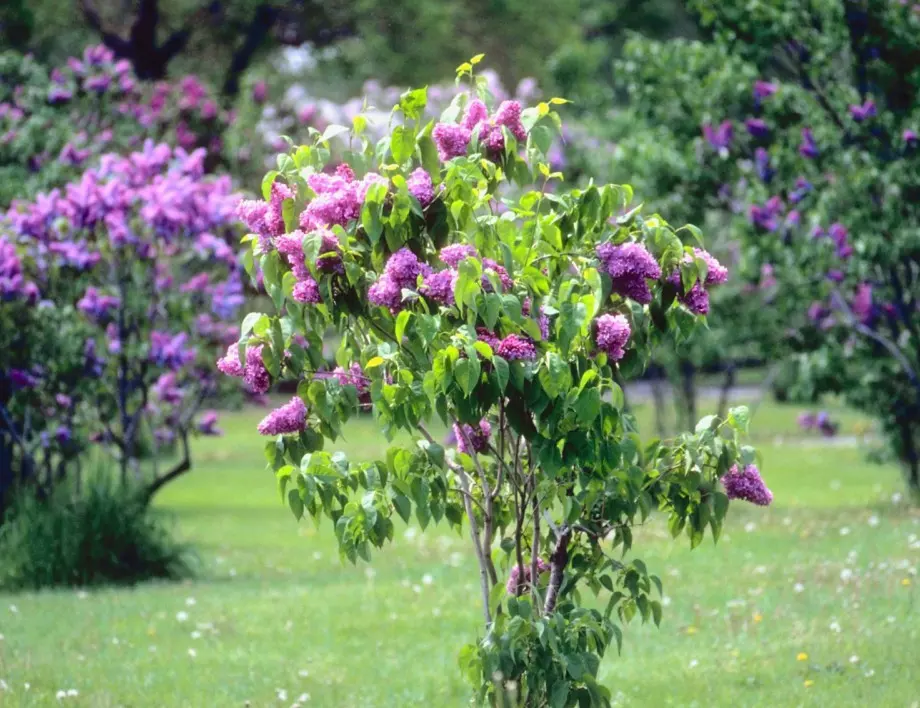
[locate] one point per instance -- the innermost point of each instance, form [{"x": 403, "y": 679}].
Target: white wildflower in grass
[
  {"x": 873, "y": 521},
  {"x": 870, "y": 673},
  {"x": 281, "y": 693},
  {"x": 798, "y": 587},
  {"x": 190, "y": 601},
  {"x": 666, "y": 601},
  {"x": 303, "y": 698},
  {"x": 369, "y": 573},
  {"x": 4, "y": 686},
  {"x": 693, "y": 663},
  {"x": 845, "y": 531},
  {"x": 427, "y": 579},
  {"x": 72, "y": 693},
  {"x": 14, "y": 609},
  {"x": 192, "y": 653},
  {"x": 181, "y": 616},
  {"x": 196, "y": 634},
  {"x": 317, "y": 555},
  {"x": 82, "y": 595},
  {"x": 835, "y": 626},
  {"x": 846, "y": 575},
  {"x": 436, "y": 611},
  {"x": 417, "y": 589},
  {"x": 750, "y": 527},
  {"x": 854, "y": 659},
  {"x": 61, "y": 695}
]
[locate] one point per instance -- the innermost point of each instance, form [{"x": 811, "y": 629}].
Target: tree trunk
[
  {"x": 910, "y": 458},
  {"x": 660, "y": 402},
  {"x": 557, "y": 563},
  {"x": 688, "y": 392},
  {"x": 728, "y": 383}
]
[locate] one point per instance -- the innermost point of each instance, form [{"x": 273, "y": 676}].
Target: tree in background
[
  {"x": 116, "y": 294},
  {"x": 827, "y": 178},
  {"x": 464, "y": 295}
]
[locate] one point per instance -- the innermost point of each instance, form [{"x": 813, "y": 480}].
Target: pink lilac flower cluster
[
  {"x": 289, "y": 418},
  {"x": 452, "y": 140},
  {"x": 516, "y": 347},
  {"x": 477, "y": 436},
  {"x": 401, "y": 271},
  {"x": 519, "y": 579},
  {"x": 253, "y": 372},
  {"x": 697, "y": 298},
  {"x": 612, "y": 334},
  {"x": 339, "y": 198},
  {"x": 747, "y": 485},
  {"x": 354, "y": 376},
  {"x": 630, "y": 267}
]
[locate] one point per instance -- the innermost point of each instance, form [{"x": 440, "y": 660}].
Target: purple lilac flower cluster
[
  {"x": 747, "y": 484},
  {"x": 476, "y": 436},
  {"x": 612, "y": 334},
  {"x": 697, "y": 298},
  {"x": 452, "y": 140},
  {"x": 630, "y": 267},
  {"x": 289, "y": 418},
  {"x": 519, "y": 579}
]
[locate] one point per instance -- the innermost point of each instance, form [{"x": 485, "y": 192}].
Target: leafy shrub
[
  {"x": 508, "y": 313},
  {"x": 103, "y": 533}
]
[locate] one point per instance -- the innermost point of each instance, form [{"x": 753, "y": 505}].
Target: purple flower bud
[
  {"x": 863, "y": 112},
  {"x": 747, "y": 484}
]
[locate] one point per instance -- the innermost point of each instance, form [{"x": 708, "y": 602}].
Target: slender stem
[
  {"x": 557, "y": 563},
  {"x": 535, "y": 551},
  {"x": 488, "y": 520},
  {"x": 477, "y": 547}
]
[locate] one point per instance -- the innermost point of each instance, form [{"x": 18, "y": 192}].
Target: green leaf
[
  {"x": 430, "y": 160},
  {"x": 401, "y": 322},
  {"x": 249, "y": 322},
  {"x": 267, "y": 183},
  {"x": 739, "y": 418},
  {"x": 588, "y": 406},
  {"x": 462, "y": 376},
  {"x": 412, "y": 103},
  {"x": 501, "y": 372},
  {"x": 705, "y": 423},
  {"x": 559, "y": 695},
  {"x": 296, "y": 503},
  {"x": 555, "y": 377},
  {"x": 402, "y": 143},
  {"x": 496, "y": 595}
]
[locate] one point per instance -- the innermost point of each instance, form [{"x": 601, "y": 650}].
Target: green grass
[{"x": 827, "y": 571}]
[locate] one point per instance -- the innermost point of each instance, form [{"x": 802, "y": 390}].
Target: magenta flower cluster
[
  {"x": 820, "y": 422},
  {"x": 630, "y": 267},
  {"x": 747, "y": 485},
  {"x": 476, "y": 436},
  {"x": 519, "y": 578},
  {"x": 612, "y": 334},
  {"x": 452, "y": 140},
  {"x": 253, "y": 372},
  {"x": 289, "y": 418}
]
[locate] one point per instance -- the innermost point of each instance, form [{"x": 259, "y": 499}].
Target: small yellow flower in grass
[
  {"x": 801, "y": 656},
  {"x": 758, "y": 617},
  {"x": 809, "y": 683},
  {"x": 905, "y": 582},
  {"x": 692, "y": 630}
]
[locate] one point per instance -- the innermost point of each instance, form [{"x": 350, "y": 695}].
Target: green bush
[{"x": 101, "y": 534}]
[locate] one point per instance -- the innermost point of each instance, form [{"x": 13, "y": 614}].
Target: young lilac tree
[
  {"x": 116, "y": 294},
  {"x": 467, "y": 299}
]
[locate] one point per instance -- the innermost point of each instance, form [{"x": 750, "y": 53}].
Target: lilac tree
[
  {"x": 116, "y": 294},
  {"x": 466, "y": 298}
]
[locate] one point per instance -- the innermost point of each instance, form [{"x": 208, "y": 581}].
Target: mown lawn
[{"x": 275, "y": 619}]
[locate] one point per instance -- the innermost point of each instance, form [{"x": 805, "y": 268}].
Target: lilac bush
[
  {"x": 494, "y": 309},
  {"x": 132, "y": 262}
]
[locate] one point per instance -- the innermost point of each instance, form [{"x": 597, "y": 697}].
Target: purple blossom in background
[
  {"x": 762, "y": 165},
  {"x": 477, "y": 436},
  {"x": 519, "y": 580},
  {"x": 747, "y": 484},
  {"x": 806, "y": 421},
  {"x": 629, "y": 266},
  {"x": 421, "y": 187},
  {"x": 453, "y": 254},
  {"x": 835, "y": 275},
  {"x": 720, "y": 138},
  {"x": 207, "y": 424},
  {"x": 757, "y": 127},
  {"x": 765, "y": 217},
  {"x": 764, "y": 89},
  {"x": 515, "y": 347},
  {"x": 839, "y": 235},
  {"x": 612, "y": 334},
  {"x": 802, "y": 187},
  {"x": 910, "y": 137},
  {"x": 166, "y": 389},
  {"x": 289, "y": 418},
  {"x": 96, "y": 305},
  {"x": 863, "y": 112},
  {"x": 808, "y": 148},
  {"x": 767, "y": 279},
  {"x": 259, "y": 92},
  {"x": 862, "y": 303},
  {"x": 172, "y": 351}
]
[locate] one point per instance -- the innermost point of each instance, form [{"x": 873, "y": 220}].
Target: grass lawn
[{"x": 829, "y": 572}]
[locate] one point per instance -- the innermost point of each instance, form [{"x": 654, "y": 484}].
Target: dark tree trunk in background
[
  {"x": 910, "y": 457},
  {"x": 688, "y": 392},
  {"x": 728, "y": 383},
  {"x": 258, "y": 31}
]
